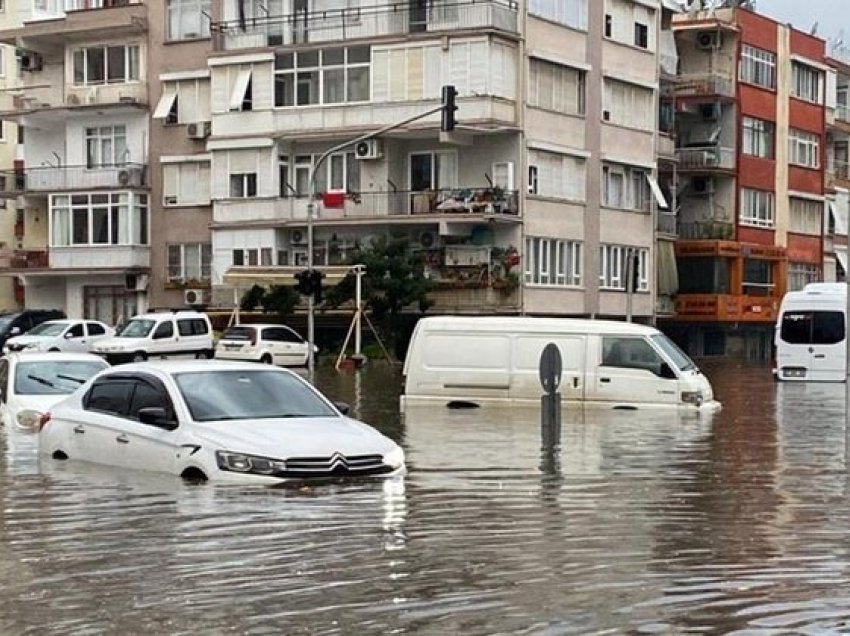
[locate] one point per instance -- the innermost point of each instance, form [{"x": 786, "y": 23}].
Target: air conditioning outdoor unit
[
  {"x": 31, "y": 61},
  {"x": 703, "y": 185},
  {"x": 136, "y": 282},
  {"x": 195, "y": 296},
  {"x": 710, "y": 112},
  {"x": 709, "y": 40},
  {"x": 426, "y": 239},
  {"x": 199, "y": 130},
  {"x": 72, "y": 99},
  {"x": 297, "y": 237},
  {"x": 130, "y": 177},
  {"x": 369, "y": 149}
]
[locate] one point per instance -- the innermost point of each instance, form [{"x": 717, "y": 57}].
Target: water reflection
[{"x": 650, "y": 522}]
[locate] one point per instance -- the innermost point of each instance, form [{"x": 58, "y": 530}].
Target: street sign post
[{"x": 551, "y": 367}]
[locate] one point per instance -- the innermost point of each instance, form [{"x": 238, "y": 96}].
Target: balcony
[
  {"x": 391, "y": 19},
  {"x": 705, "y": 158},
  {"x": 666, "y": 223},
  {"x": 469, "y": 204},
  {"x": 100, "y": 257},
  {"x": 842, "y": 113},
  {"x": 666, "y": 146},
  {"x": 836, "y": 172},
  {"x": 707, "y": 230},
  {"x": 46, "y": 22},
  {"x": 24, "y": 260},
  {"x": 50, "y": 100},
  {"x": 726, "y": 308},
  {"x": 704, "y": 85},
  {"x": 50, "y": 179}
]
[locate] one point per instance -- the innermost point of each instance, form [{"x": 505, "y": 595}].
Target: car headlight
[
  {"x": 241, "y": 463},
  {"x": 692, "y": 397},
  {"x": 29, "y": 420},
  {"x": 33, "y": 346},
  {"x": 395, "y": 457}
]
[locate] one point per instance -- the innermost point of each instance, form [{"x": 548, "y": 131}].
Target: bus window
[{"x": 812, "y": 327}]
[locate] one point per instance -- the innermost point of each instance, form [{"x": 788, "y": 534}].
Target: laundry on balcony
[
  {"x": 478, "y": 201},
  {"x": 333, "y": 200}
]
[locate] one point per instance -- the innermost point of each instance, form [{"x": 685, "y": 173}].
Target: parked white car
[
  {"x": 60, "y": 335},
  {"x": 225, "y": 421},
  {"x": 177, "y": 334},
  {"x": 31, "y": 383},
  {"x": 271, "y": 344}
]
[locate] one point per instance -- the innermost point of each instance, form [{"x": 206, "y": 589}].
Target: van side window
[
  {"x": 184, "y": 327},
  {"x": 630, "y": 353},
  {"x": 192, "y": 327},
  {"x": 165, "y": 330}
]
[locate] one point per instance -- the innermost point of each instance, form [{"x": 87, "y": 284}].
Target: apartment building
[
  {"x": 10, "y": 289},
  {"x": 837, "y": 165},
  {"x": 750, "y": 111}
]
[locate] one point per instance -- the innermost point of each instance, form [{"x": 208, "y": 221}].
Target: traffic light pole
[{"x": 311, "y": 213}]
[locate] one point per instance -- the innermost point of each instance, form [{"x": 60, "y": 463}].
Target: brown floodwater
[{"x": 643, "y": 523}]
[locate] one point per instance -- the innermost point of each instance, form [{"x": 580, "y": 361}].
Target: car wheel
[
  {"x": 204, "y": 355},
  {"x": 53, "y": 350},
  {"x": 266, "y": 359},
  {"x": 140, "y": 356}
]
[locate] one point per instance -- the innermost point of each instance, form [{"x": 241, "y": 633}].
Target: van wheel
[
  {"x": 53, "y": 350},
  {"x": 140, "y": 356},
  {"x": 266, "y": 359},
  {"x": 204, "y": 355}
]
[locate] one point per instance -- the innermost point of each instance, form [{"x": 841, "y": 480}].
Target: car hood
[
  {"x": 294, "y": 437},
  {"x": 105, "y": 343},
  {"x": 25, "y": 340}
]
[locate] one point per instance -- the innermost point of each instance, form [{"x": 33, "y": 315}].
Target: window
[
  {"x": 572, "y": 13},
  {"x": 806, "y": 83},
  {"x": 109, "y": 396},
  {"x": 758, "y": 136},
  {"x": 613, "y": 267},
  {"x": 552, "y": 262},
  {"x": 641, "y": 35},
  {"x": 758, "y": 277},
  {"x": 803, "y": 149},
  {"x": 149, "y": 393},
  {"x": 186, "y": 183},
  {"x": 801, "y": 274},
  {"x": 164, "y": 330},
  {"x": 812, "y": 327},
  {"x": 556, "y": 87},
  {"x": 630, "y": 23},
  {"x": 806, "y": 216},
  {"x": 630, "y": 353},
  {"x": 243, "y": 185},
  {"x": 242, "y": 93},
  {"x": 625, "y": 187},
  {"x": 629, "y": 105},
  {"x": 184, "y": 102},
  {"x": 556, "y": 175},
  {"x": 757, "y": 208},
  {"x": 95, "y": 329},
  {"x": 106, "y": 65},
  {"x": 533, "y": 180},
  {"x": 187, "y": 19},
  {"x": 189, "y": 262},
  {"x": 106, "y": 146},
  {"x": 253, "y": 257},
  {"x": 99, "y": 219},
  {"x": 758, "y": 67},
  {"x": 192, "y": 327},
  {"x": 340, "y": 173},
  {"x": 328, "y": 76}
]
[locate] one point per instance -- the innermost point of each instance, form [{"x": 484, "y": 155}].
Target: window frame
[
  {"x": 132, "y": 51},
  {"x": 757, "y": 67},
  {"x": 180, "y": 249},
  {"x": 195, "y": 8}
]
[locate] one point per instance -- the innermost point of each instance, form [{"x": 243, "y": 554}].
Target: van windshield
[
  {"x": 812, "y": 327},
  {"x": 679, "y": 357},
  {"x": 136, "y": 328}
]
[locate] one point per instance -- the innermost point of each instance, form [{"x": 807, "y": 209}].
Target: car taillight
[{"x": 43, "y": 420}]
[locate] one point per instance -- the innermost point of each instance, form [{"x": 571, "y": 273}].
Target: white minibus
[
  {"x": 480, "y": 360},
  {"x": 810, "y": 334}
]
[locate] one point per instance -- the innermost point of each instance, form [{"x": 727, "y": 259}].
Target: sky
[{"x": 831, "y": 15}]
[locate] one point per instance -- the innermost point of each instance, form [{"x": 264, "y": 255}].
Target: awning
[
  {"x": 841, "y": 257},
  {"x": 667, "y": 272},
  {"x": 240, "y": 88},
  {"x": 839, "y": 219},
  {"x": 281, "y": 275},
  {"x": 656, "y": 191},
  {"x": 166, "y": 103}
]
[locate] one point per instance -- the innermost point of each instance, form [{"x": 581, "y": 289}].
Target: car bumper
[
  {"x": 240, "y": 354},
  {"x": 115, "y": 357}
]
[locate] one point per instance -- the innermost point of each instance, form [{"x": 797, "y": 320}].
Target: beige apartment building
[
  {"x": 10, "y": 289},
  {"x": 168, "y": 145}
]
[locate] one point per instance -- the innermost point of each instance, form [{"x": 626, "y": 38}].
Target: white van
[
  {"x": 810, "y": 334},
  {"x": 183, "y": 334},
  {"x": 495, "y": 360}
]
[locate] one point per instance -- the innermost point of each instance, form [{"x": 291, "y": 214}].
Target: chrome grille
[{"x": 335, "y": 465}]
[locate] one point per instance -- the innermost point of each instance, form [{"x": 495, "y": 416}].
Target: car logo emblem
[{"x": 337, "y": 460}]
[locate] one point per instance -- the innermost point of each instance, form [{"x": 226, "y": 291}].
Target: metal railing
[
  {"x": 24, "y": 259},
  {"x": 704, "y": 84},
  {"x": 838, "y": 169},
  {"x": 706, "y": 157},
  {"x": 52, "y": 9},
  {"x": 708, "y": 230},
  {"x": 666, "y": 223},
  {"x": 58, "y": 178},
  {"x": 398, "y": 18}
]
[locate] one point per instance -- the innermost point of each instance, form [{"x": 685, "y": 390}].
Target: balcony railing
[
  {"x": 842, "y": 113},
  {"x": 838, "y": 169},
  {"x": 60, "y": 178},
  {"x": 706, "y": 158},
  {"x": 399, "y": 18},
  {"x": 727, "y": 308},
  {"x": 707, "y": 230},
  {"x": 24, "y": 259},
  {"x": 56, "y": 9},
  {"x": 704, "y": 84},
  {"x": 666, "y": 223}
]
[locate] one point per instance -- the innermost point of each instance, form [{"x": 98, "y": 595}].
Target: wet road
[{"x": 654, "y": 524}]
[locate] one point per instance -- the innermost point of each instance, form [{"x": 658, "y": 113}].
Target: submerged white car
[
  {"x": 270, "y": 344},
  {"x": 61, "y": 335},
  {"x": 224, "y": 421},
  {"x": 31, "y": 383}
]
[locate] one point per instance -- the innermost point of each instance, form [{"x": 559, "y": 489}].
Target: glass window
[
  {"x": 757, "y": 207},
  {"x": 329, "y": 76},
  {"x": 54, "y": 377},
  {"x": 147, "y": 395},
  {"x": 187, "y": 19},
  {"x": 806, "y": 83},
  {"x": 164, "y": 330},
  {"x": 106, "y": 64},
  {"x": 553, "y": 262},
  {"x": 76, "y": 331},
  {"x": 556, "y": 87},
  {"x": 812, "y": 327},
  {"x": 803, "y": 148},
  {"x": 109, "y": 396},
  {"x": 95, "y": 329},
  {"x": 758, "y": 67},
  {"x": 757, "y": 138},
  {"x": 630, "y": 353}
]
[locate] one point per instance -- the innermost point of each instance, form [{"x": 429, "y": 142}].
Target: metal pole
[
  {"x": 358, "y": 333},
  {"x": 847, "y": 378},
  {"x": 629, "y": 283}
]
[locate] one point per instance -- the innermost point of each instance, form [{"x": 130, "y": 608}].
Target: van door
[
  {"x": 164, "y": 339},
  {"x": 629, "y": 371},
  {"x": 525, "y": 380}
]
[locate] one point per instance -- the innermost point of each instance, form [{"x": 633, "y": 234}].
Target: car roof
[
  {"x": 258, "y": 325},
  {"x": 168, "y": 314},
  {"x": 46, "y": 356},
  {"x": 170, "y": 367}
]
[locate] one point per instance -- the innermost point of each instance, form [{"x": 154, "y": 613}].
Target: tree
[{"x": 278, "y": 299}]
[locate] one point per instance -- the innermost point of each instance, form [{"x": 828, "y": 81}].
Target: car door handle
[
  {"x": 122, "y": 439},
  {"x": 80, "y": 430},
  {"x": 820, "y": 356},
  {"x": 575, "y": 383},
  {"x": 605, "y": 380}
]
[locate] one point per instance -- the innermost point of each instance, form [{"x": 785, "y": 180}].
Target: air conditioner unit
[
  {"x": 199, "y": 130},
  {"x": 195, "y": 296},
  {"x": 369, "y": 149},
  {"x": 136, "y": 282},
  {"x": 130, "y": 177},
  {"x": 72, "y": 99},
  {"x": 710, "y": 112},
  {"x": 31, "y": 61},
  {"x": 709, "y": 40},
  {"x": 297, "y": 237},
  {"x": 426, "y": 239},
  {"x": 702, "y": 185}
]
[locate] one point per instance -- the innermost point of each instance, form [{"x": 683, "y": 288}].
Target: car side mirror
[
  {"x": 666, "y": 372},
  {"x": 342, "y": 407},
  {"x": 156, "y": 416},
  {"x": 14, "y": 331},
  {"x": 69, "y": 335}
]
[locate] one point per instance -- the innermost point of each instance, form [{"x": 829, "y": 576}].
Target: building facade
[{"x": 750, "y": 110}]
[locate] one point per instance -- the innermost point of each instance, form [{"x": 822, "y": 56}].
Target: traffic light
[
  {"x": 316, "y": 285},
  {"x": 448, "y": 116},
  {"x": 304, "y": 284}
]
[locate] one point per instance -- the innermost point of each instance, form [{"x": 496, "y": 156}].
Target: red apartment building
[{"x": 749, "y": 103}]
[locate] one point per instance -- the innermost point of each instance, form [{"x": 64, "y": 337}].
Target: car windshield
[
  {"x": 136, "y": 328},
  {"x": 245, "y": 395},
  {"x": 54, "y": 377},
  {"x": 679, "y": 357},
  {"x": 238, "y": 333},
  {"x": 4, "y": 321},
  {"x": 48, "y": 329}
]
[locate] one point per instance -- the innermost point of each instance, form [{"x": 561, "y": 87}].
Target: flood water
[{"x": 646, "y": 523}]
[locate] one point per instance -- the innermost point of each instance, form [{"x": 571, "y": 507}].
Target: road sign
[{"x": 550, "y": 368}]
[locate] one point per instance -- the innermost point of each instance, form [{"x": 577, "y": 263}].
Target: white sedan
[
  {"x": 60, "y": 335},
  {"x": 31, "y": 383},
  {"x": 270, "y": 344},
  {"x": 225, "y": 421}
]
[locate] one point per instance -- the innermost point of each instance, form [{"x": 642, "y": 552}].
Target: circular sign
[{"x": 550, "y": 368}]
